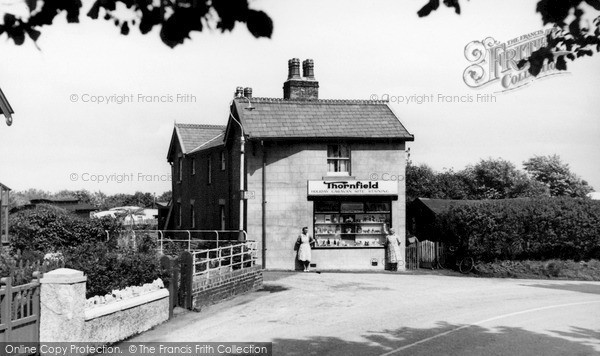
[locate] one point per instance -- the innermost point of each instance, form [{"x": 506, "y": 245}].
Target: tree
[
  {"x": 557, "y": 176},
  {"x": 576, "y": 37},
  {"x": 176, "y": 18},
  {"x": 500, "y": 179},
  {"x": 420, "y": 181}
]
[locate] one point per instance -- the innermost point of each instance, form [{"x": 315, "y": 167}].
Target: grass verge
[{"x": 551, "y": 269}]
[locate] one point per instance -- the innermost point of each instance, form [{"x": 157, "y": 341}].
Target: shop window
[
  {"x": 351, "y": 223},
  {"x": 338, "y": 159}
]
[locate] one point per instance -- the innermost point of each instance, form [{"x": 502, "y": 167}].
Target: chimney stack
[
  {"x": 248, "y": 92},
  {"x": 301, "y": 88}
]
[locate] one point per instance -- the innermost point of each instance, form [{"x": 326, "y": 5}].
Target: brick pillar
[{"x": 62, "y": 306}]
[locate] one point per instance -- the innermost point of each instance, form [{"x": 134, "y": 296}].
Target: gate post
[
  {"x": 62, "y": 304},
  {"x": 169, "y": 267},
  {"x": 186, "y": 262}
]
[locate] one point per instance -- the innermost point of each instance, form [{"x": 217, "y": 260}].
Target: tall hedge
[
  {"x": 517, "y": 229},
  {"x": 84, "y": 245}
]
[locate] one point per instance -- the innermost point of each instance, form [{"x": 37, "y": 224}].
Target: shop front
[{"x": 350, "y": 222}]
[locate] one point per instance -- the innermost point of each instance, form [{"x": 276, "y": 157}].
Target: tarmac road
[{"x": 400, "y": 314}]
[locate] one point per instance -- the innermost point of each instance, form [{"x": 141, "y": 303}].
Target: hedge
[
  {"x": 520, "y": 229},
  {"x": 84, "y": 245}
]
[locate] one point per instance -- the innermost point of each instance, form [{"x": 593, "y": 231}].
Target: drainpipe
[
  {"x": 264, "y": 205},
  {"x": 242, "y": 171}
]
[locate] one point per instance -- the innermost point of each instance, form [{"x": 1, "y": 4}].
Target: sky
[{"x": 60, "y": 139}]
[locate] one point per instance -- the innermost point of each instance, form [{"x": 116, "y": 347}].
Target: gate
[
  {"x": 412, "y": 256},
  {"x": 19, "y": 311},
  {"x": 427, "y": 252}
]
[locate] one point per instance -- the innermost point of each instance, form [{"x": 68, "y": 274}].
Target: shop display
[{"x": 351, "y": 224}]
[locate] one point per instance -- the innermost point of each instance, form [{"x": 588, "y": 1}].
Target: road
[{"x": 400, "y": 314}]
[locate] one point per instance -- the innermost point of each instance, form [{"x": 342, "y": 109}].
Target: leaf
[
  {"x": 432, "y": 5},
  {"x": 561, "y": 64},
  {"x": 454, "y": 4},
  {"x": 125, "y": 29},
  {"x": 33, "y": 34},
  {"x": 94, "y": 10},
  {"x": 259, "y": 24},
  {"x": 31, "y": 4}
]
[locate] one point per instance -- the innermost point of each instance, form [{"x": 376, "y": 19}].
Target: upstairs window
[
  {"x": 223, "y": 166},
  {"x": 338, "y": 159},
  {"x": 209, "y": 169},
  {"x": 193, "y": 166}
]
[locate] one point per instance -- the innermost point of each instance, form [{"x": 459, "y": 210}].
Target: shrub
[{"x": 518, "y": 229}]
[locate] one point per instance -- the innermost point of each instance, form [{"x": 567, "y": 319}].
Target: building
[
  {"x": 335, "y": 166},
  {"x": 71, "y": 205}
]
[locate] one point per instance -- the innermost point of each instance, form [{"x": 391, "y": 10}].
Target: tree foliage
[
  {"x": 175, "y": 18},
  {"x": 557, "y": 176},
  {"x": 574, "y": 36}
]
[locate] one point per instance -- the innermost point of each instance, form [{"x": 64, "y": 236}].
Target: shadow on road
[
  {"x": 580, "y": 287},
  {"x": 471, "y": 340}
]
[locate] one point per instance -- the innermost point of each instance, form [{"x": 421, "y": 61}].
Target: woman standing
[
  {"x": 304, "y": 242},
  {"x": 392, "y": 244}
]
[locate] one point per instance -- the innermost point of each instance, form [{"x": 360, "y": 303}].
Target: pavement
[{"x": 423, "y": 313}]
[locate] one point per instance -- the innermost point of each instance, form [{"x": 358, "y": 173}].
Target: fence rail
[
  {"x": 237, "y": 256},
  {"x": 188, "y": 240},
  {"x": 19, "y": 311}
]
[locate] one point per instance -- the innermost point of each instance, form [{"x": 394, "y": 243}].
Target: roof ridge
[
  {"x": 316, "y": 101},
  {"x": 206, "y": 126}
]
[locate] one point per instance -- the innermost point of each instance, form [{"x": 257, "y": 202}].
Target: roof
[
  {"x": 271, "y": 118},
  {"x": 195, "y": 137},
  {"x": 2, "y": 186},
  {"x": 192, "y": 136},
  {"x": 438, "y": 206}
]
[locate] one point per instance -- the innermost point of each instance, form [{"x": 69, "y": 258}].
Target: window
[
  {"x": 338, "y": 159},
  {"x": 178, "y": 214},
  {"x": 209, "y": 170},
  {"x": 180, "y": 168},
  {"x": 192, "y": 215},
  {"x": 193, "y": 166},
  {"x": 223, "y": 166},
  {"x": 222, "y": 217}
]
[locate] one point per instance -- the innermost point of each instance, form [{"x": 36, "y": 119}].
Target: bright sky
[{"x": 360, "y": 49}]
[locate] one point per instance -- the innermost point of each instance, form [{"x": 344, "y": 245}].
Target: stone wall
[
  {"x": 65, "y": 318},
  {"x": 225, "y": 284}
]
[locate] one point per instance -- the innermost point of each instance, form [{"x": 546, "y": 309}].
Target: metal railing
[
  {"x": 233, "y": 257},
  {"x": 190, "y": 238}
]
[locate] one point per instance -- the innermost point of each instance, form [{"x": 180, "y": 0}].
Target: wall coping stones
[
  {"x": 114, "y": 307},
  {"x": 63, "y": 276}
]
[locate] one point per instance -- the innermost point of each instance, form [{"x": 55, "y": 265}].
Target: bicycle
[{"x": 457, "y": 260}]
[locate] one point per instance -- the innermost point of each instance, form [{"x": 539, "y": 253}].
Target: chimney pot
[
  {"x": 308, "y": 69},
  {"x": 239, "y": 92},
  {"x": 294, "y": 68},
  {"x": 248, "y": 92}
]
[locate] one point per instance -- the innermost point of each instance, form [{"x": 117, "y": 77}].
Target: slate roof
[
  {"x": 194, "y": 136},
  {"x": 283, "y": 118}
]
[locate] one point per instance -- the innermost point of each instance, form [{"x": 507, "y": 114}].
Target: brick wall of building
[{"x": 206, "y": 291}]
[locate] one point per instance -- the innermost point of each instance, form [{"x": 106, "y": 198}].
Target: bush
[
  {"x": 519, "y": 229},
  {"x": 84, "y": 245}
]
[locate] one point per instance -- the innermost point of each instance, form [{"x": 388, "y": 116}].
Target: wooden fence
[{"x": 19, "y": 311}]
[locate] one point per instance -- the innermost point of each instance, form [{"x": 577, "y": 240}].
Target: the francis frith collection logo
[{"x": 494, "y": 62}]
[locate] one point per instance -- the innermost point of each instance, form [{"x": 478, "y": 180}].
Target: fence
[
  {"x": 203, "y": 265},
  {"x": 172, "y": 242},
  {"x": 19, "y": 311}
]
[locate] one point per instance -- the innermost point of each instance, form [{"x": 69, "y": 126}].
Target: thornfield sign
[{"x": 352, "y": 187}]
